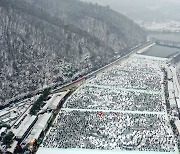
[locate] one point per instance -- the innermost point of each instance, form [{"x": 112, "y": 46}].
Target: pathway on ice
[
  {"x": 119, "y": 111},
  {"x": 123, "y": 89}
]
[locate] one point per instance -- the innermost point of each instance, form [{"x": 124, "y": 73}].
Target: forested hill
[
  {"x": 114, "y": 29},
  {"x": 47, "y": 41}
]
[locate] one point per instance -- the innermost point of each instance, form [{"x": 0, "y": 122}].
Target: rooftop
[
  {"x": 178, "y": 125},
  {"x": 38, "y": 127},
  {"x": 25, "y": 125},
  {"x": 54, "y": 100}
]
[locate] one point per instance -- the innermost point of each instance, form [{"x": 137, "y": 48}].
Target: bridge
[{"x": 168, "y": 43}]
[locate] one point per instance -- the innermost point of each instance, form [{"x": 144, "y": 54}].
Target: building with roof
[
  {"x": 25, "y": 126},
  {"x": 4, "y": 113},
  {"x": 13, "y": 147},
  {"x": 18, "y": 122},
  {"x": 31, "y": 141},
  {"x": 55, "y": 100},
  {"x": 177, "y": 123},
  {"x": 3, "y": 131},
  {"x": 39, "y": 127}
]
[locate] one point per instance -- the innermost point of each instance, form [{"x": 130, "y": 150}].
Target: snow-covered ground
[{"x": 88, "y": 151}]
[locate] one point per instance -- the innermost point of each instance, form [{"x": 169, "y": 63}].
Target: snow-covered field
[{"x": 121, "y": 109}]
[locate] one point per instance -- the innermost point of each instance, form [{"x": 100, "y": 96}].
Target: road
[
  {"x": 176, "y": 85},
  {"x": 73, "y": 85}
]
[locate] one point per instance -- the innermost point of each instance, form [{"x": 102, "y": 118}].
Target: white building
[
  {"x": 25, "y": 126},
  {"x": 39, "y": 127}
]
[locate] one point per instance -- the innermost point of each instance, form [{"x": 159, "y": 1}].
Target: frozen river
[{"x": 121, "y": 110}]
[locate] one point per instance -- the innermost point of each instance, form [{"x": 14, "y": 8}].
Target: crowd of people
[
  {"x": 130, "y": 78},
  {"x": 143, "y": 64},
  {"x": 89, "y": 97},
  {"x": 104, "y": 112},
  {"x": 110, "y": 130}
]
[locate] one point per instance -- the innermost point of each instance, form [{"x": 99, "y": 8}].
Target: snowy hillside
[{"x": 39, "y": 47}]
